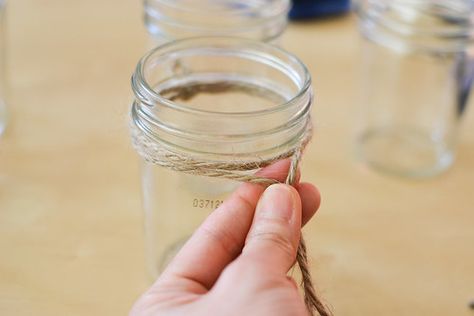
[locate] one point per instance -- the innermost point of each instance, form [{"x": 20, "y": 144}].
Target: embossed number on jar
[{"x": 207, "y": 203}]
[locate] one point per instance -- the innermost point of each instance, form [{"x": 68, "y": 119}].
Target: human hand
[{"x": 236, "y": 263}]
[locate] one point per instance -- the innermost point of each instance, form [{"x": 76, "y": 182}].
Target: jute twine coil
[{"x": 154, "y": 152}]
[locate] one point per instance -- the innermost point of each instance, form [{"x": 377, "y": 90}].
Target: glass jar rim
[
  {"x": 401, "y": 24},
  {"x": 398, "y": 25},
  {"x": 139, "y": 82},
  {"x": 243, "y": 10}
]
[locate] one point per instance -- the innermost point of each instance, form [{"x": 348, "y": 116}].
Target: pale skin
[{"x": 237, "y": 261}]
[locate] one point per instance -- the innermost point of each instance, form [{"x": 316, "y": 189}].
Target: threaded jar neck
[
  {"x": 263, "y": 20},
  {"x": 221, "y": 96},
  {"x": 430, "y": 26}
]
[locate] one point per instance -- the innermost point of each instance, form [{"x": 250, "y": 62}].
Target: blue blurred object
[{"x": 306, "y": 9}]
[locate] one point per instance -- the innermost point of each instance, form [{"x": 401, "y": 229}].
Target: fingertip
[
  {"x": 279, "y": 171},
  {"x": 292, "y": 282},
  {"x": 295, "y": 195},
  {"x": 278, "y": 200},
  {"x": 310, "y": 200},
  {"x": 294, "y": 192},
  {"x": 275, "y": 232},
  {"x": 298, "y": 176}
]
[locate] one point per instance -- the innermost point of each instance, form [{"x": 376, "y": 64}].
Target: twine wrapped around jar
[{"x": 155, "y": 153}]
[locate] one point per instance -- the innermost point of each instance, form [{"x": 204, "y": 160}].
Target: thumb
[{"x": 273, "y": 238}]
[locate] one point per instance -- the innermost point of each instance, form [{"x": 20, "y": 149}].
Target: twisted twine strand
[
  {"x": 154, "y": 153},
  {"x": 311, "y": 299}
]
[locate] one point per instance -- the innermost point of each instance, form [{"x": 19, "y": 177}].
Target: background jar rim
[
  {"x": 284, "y": 4},
  {"x": 395, "y": 29}
]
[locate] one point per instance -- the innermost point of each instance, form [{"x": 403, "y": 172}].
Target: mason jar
[
  {"x": 417, "y": 69},
  {"x": 3, "y": 108},
  {"x": 167, "y": 20},
  {"x": 223, "y": 101}
]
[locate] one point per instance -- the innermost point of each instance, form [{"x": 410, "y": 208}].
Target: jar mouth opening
[
  {"x": 230, "y": 8},
  {"x": 271, "y": 54},
  {"x": 222, "y": 96}
]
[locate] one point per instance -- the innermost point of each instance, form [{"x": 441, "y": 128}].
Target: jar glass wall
[
  {"x": 262, "y": 20},
  {"x": 213, "y": 99},
  {"x": 416, "y": 68}
]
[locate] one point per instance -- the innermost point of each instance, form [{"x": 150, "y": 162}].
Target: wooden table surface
[{"x": 71, "y": 239}]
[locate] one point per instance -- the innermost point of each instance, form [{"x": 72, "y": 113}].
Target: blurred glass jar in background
[
  {"x": 167, "y": 20},
  {"x": 3, "y": 109},
  {"x": 416, "y": 76},
  {"x": 221, "y": 100}
]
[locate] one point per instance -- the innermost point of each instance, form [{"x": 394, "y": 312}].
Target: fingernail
[{"x": 277, "y": 202}]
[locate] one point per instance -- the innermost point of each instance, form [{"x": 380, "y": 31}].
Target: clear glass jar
[
  {"x": 3, "y": 108},
  {"x": 215, "y": 99},
  {"x": 262, "y": 20},
  {"x": 417, "y": 72}
]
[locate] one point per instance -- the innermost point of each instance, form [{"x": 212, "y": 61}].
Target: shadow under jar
[
  {"x": 167, "y": 20},
  {"x": 220, "y": 100},
  {"x": 417, "y": 69}
]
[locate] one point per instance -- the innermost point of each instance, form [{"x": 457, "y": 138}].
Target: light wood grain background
[{"x": 71, "y": 238}]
